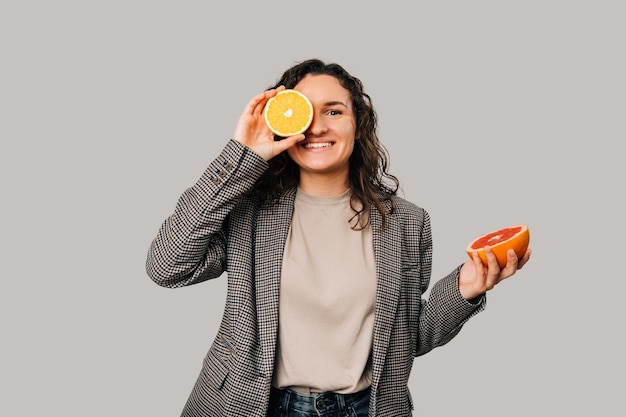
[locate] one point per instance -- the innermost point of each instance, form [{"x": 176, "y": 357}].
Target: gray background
[{"x": 494, "y": 112}]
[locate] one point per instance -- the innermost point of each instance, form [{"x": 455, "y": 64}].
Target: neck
[{"x": 324, "y": 185}]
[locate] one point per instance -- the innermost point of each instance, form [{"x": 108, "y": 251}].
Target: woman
[{"x": 326, "y": 265}]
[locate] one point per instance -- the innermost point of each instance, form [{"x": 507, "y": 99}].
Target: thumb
[{"x": 288, "y": 142}]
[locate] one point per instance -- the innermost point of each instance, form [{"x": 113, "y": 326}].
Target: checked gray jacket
[{"x": 216, "y": 227}]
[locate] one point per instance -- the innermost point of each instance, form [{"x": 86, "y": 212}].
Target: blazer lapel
[
  {"x": 389, "y": 274},
  {"x": 271, "y": 234}
]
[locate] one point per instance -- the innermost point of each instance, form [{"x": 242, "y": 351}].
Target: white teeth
[{"x": 317, "y": 145}]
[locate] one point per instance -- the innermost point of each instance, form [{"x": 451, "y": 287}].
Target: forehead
[{"x": 321, "y": 88}]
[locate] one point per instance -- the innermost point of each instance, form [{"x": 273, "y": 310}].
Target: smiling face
[{"x": 329, "y": 142}]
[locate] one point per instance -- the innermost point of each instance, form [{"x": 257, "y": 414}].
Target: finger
[
  {"x": 478, "y": 265},
  {"x": 511, "y": 264},
  {"x": 260, "y": 106},
  {"x": 525, "y": 259},
  {"x": 267, "y": 94},
  {"x": 257, "y": 101},
  {"x": 288, "y": 142},
  {"x": 493, "y": 267},
  {"x": 492, "y": 261}
]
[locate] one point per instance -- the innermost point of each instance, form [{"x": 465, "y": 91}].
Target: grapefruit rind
[
  {"x": 293, "y": 129},
  {"x": 518, "y": 241}
]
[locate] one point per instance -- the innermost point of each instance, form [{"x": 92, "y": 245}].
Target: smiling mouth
[{"x": 318, "y": 145}]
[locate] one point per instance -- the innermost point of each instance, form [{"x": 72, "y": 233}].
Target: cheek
[{"x": 347, "y": 131}]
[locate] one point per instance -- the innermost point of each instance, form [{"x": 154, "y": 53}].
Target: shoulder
[
  {"x": 405, "y": 207},
  {"x": 409, "y": 216}
]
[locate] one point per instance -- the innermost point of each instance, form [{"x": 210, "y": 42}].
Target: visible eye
[{"x": 333, "y": 112}]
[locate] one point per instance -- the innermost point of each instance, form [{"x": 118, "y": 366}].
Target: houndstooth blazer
[{"x": 217, "y": 228}]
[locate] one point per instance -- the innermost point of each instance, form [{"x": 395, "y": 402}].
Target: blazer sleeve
[
  {"x": 190, "y": 246},
  {"x": 445, "y": 311}
]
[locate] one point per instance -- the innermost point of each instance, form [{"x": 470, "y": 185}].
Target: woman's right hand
[{"x": 252, "y": 131}]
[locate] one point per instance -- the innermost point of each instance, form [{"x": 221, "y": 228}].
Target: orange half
[
  {"x": 288, "y": 113},
  {"x": 513, "y": 237}
]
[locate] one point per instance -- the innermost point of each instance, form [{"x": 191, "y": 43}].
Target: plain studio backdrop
[{"x": 494, "y": 113}]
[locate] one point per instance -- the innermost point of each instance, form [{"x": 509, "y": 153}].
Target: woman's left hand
[{"x": 476, "y": 279}]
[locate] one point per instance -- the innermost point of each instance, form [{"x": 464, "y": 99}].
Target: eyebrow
[{"x": 334, "y": 103}]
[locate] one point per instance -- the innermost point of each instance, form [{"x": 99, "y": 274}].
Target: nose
[{"x": 318, "y": 126}]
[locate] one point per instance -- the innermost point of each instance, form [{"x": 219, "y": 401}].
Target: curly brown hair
[{"x": 370, "y": 182}]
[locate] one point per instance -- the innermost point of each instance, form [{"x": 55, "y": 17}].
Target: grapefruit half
[{"x": 513, "y": 237}]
